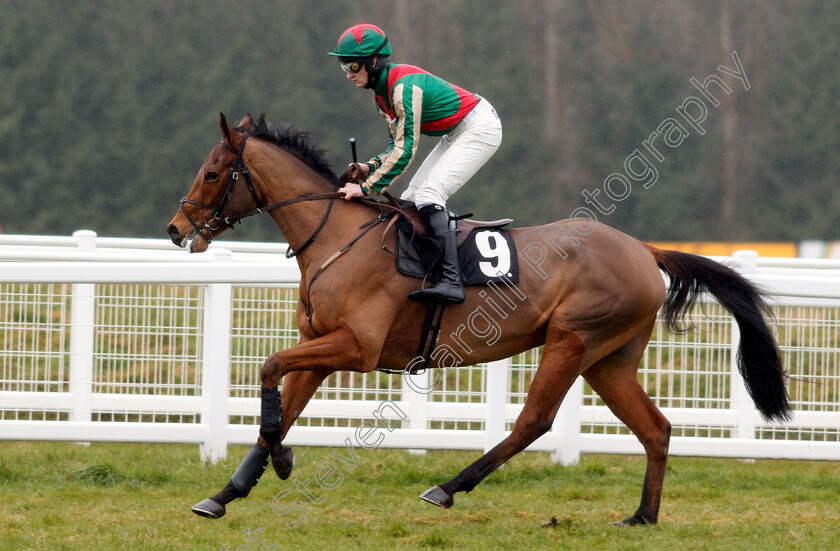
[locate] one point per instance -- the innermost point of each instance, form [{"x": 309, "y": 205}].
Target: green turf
[{"x": 137, "y": 496}]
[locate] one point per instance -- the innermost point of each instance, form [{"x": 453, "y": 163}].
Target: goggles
[{"x": 353, "y": 66}]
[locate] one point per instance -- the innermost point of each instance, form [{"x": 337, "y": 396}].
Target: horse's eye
[{"x": 211, "y": 176}]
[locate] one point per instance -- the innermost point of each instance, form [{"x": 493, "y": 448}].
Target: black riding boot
[{"x": 449, "y": 288}]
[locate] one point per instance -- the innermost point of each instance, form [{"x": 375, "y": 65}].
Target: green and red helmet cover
[{"x": 361, "y": 41}]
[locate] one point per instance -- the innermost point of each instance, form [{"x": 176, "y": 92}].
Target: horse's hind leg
[
  {"x": 614, "y": 379},
  {"x": 298, "y": 388},
  {"x": 558, "y": 369}
]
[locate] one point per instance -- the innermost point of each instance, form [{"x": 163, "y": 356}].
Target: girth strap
[
  {"x": 429, "y": 336},
  {"x": 428, "y": 340}
]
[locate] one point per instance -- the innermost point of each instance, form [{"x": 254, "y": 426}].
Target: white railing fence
[{"x": 105, "y": 339}]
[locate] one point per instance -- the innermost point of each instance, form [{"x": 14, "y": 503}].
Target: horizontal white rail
[
  {"x": 141, "y": 404},
  {"x": 85, "y": 261},
  {"x": 150, "y": 272}
]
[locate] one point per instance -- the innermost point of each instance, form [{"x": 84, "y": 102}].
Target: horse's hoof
[
  {"x": 208, "y": 509},
  {"x": 283, "y": 462},
  {"x": 436, "y": 496},
  {"x": 635, "y": 520}
]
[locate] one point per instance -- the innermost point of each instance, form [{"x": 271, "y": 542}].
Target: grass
[{"x": 137, "y": 496}]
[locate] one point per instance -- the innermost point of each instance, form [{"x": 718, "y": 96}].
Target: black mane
[{"x": 295, "y": 142}]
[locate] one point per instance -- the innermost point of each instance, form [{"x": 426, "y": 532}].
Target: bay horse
[{"x": 591, "y": 300}]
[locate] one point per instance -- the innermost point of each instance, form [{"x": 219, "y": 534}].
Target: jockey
[{"x": 416, "y": 102}]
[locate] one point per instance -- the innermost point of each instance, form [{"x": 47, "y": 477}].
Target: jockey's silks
[{"x": 413, "y": 102}]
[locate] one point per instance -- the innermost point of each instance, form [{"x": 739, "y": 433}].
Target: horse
[{"x": 591, "y": 300}]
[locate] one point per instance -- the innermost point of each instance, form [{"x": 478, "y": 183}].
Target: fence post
[
  {"x": 82, "y": 313},
  {"x": 415, "y": 391},
  {"x": 215, "y": 365},
  {"x": 496, "y": 401},
  {"x": 747, "y": 265},
  {"x": 567, "y": 426}
]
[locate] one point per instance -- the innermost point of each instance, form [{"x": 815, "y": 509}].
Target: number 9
[{"x": 493, "y": 247}]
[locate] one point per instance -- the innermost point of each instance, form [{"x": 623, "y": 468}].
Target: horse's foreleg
[
  {"x": 558, "y": 369},
  {"x": 614, "y": 379},
  {"x": 319, "y": 357},
  {"x": 298, "y": 389},
  {"x": 240, "y": 484}
]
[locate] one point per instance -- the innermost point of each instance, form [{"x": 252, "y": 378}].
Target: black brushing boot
[
  {"x": 449, "y": 288},
  {"x": 245, "y": 478},
  {"x": 271, "y": 429}
]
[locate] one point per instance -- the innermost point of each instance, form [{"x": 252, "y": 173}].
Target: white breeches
[{"x": 457, "y": 157}]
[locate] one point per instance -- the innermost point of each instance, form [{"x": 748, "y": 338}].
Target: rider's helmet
[
  {"x": 359, "y": 45},
  {"x": 361, "y": 41}
]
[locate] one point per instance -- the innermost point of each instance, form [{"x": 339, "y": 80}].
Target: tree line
[{"x": 107, "y": 109}]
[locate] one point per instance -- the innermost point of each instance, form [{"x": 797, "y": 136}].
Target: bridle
[{"x": 217, "y": 221}]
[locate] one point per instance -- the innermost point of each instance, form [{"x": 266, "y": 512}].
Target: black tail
[{"x": 759, "y": 361}]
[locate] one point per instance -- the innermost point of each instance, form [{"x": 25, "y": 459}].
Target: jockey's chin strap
[{"x": 219, "y": 222}]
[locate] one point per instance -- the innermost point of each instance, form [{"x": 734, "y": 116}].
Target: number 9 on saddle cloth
[{"x": 486, "y": 252}]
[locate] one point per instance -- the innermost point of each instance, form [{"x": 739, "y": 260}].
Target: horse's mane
[{"x": 294, "y": 142}]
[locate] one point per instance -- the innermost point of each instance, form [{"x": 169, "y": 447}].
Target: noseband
[{"x": 217, "y": 221}]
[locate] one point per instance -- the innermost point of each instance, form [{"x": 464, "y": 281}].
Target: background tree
[{"x": 108, "y": 109}]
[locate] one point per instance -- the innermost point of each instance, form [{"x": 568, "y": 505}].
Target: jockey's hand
[
  {"x": 351, "y": 190},
  {"x": 354, "y": 173}
]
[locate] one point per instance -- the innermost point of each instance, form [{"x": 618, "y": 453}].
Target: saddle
[
  {"x": 486, "y": 251},
  {"x": 486, "y": 254}
]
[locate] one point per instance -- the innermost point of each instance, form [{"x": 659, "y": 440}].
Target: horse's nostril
[{"x": 173, "y": 232}]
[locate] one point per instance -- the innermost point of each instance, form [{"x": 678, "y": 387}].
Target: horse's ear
[
  {"x": 246, "y": 123},
  {"x": 231, "y": 136}
]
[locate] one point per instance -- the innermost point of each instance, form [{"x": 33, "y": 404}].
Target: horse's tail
[{"x": 759, "y": 360}]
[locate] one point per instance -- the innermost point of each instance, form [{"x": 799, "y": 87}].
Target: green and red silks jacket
[{"x": 413, "y": 102}]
